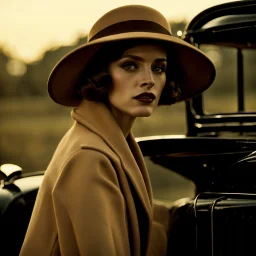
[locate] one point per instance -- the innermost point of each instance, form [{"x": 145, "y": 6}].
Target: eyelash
[
  {"x": 161, "y": 67},
  {"x": 131, "y": 65},
  {"x": 127, "y": 65}
]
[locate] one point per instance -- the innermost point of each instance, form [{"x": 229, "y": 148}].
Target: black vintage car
[{"x": 218, "y": 152}]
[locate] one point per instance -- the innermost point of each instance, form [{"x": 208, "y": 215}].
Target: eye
[
  {"x": 159, "y": 68},
  {"x": 129, "y": 65}
]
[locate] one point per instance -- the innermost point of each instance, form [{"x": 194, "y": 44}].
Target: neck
[{"x": 124, "y": 121}]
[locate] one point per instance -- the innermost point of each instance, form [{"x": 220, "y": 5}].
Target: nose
[{"x": 148, "y": 78}]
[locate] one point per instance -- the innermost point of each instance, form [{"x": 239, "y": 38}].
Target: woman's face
[{"x": 138, "y": 78}]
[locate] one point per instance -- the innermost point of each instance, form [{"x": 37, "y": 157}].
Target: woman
[{"x": 96, "y": 197}]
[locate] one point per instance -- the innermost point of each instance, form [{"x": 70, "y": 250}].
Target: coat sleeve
[
  {"x": 159, "y": 233},
  {"x": 89, "y": 207}
]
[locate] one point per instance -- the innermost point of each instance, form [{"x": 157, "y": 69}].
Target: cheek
[
  {"x": 114, "y": 86},
  {"x": 117, "y": 80},
  {"x": 117, "y": 89},
  {"x": 121, "y": 84}
]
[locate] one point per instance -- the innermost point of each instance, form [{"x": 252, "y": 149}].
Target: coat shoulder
[{"x": 88, "y": 163}]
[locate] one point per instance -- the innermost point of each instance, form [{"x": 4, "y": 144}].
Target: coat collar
[{"x": 97, "y": 117}]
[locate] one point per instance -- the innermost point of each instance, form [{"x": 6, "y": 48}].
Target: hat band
[{"x": 131, "y": 26}]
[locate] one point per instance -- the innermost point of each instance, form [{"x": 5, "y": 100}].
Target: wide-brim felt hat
[{"x": 128, "y": 23}]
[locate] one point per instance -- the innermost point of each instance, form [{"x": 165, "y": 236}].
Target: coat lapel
[{"x": 98, "y": 118}]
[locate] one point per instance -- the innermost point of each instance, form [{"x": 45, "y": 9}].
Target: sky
[{"x": 30, "y": 27}]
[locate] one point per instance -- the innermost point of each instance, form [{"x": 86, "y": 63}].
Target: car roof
[{"x": 230, "y": 24}]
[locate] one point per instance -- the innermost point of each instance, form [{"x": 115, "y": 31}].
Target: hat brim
[{"x": 199, "y": 71}]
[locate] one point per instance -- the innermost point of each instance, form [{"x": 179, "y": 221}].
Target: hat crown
[{"x": 129, "y": 13}]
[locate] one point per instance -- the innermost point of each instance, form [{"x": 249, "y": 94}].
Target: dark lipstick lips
[{"x": 146, "y": 97}]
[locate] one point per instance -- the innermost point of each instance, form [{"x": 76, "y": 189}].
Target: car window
[{"x": 221, "y": 97}]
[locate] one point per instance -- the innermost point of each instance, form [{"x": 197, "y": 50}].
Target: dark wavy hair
[{"x": 95, "y": 81}]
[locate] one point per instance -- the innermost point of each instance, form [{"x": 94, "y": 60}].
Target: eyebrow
[{"x": 135, "y": 57}]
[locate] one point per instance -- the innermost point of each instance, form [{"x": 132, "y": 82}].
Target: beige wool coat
[{"x": 96, "y": 197}]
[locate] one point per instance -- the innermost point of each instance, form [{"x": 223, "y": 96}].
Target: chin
[{"x": 145, "y": 113}]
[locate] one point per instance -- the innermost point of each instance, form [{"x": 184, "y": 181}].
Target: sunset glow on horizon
[{"x": 30, "y": 27}]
